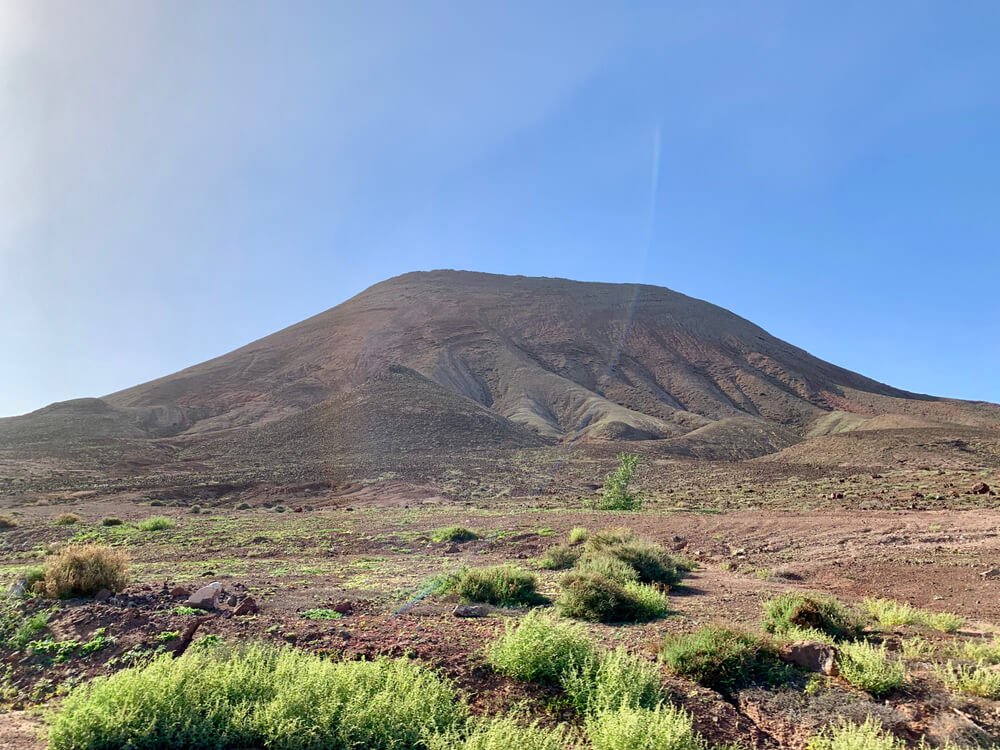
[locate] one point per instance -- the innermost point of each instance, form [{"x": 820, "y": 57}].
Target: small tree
[{"x": 616, "y": 494}]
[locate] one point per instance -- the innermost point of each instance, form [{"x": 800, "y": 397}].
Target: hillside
[{"x": 449, "y": 361}]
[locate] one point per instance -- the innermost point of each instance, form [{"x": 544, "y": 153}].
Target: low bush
[
  {"x": 890, "y": 613},
  {"x": 257, "y": 697},
  {"x": 980, "y": 680},
  {"x": 453, "y": 534},
  {"x": 322, "y": 614},
  {"x": 502, "y": 734},
  {"x": 560, "y": 557},
  {"x": 83, "y": 570},
  {"x": 502, "y": 585},
  {"x": 591, "y": 596},
  {"x": 917, "y": 648},
  {"x": 608, "y": 566},
  {"x": 946, "y": 622},
  {"x": 987, "y": 652},
  {"x": 111, "y": 521},
  {"x": 724, "y": 660},
  {"x": 628, "y": 728},
  {"x": 846, "y": 736},
  {"x": 156, "y": 523},
  {"x": 611, "y": 680},
  {"x": 67, "y": 519},
  {"x": 577, "y": 536},
  {"x": 870, "y": 668},
  {"x": 810, "y": 611},
  {"x": 8, "y": 522},
  {"x": 650, "y": 561},
  {"x": 19, "y": 628},
  {"x": 539, "y": 648}
]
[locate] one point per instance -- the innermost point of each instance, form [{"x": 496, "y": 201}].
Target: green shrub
[
  {"x": 889, "y": 613},
  {"x": 539, "y": 648},
  {"x": 560, "y": 557},
  {"x": 156, "y": 523},
  {"x": 869, "y": 667},
  {"x": 628, "y": 728},
  {"x": 616, "y": 494},
  {"x": 611, "y": 680},
  {"x": 608, "y": 566},
  {"x": 577, "y": 535},
  {"x": 917, "y": 648},
  {"x": 322, "y": 614},
  {"x": 982, "y": 651},
  {"x": 8, "y": 522},
  {"x": 980, "y": 680},
  {"x": 83, "y": 570},
  {"x": 111, "y": 521},
  {"x": 502, "y": 733},
  {"x": 258, "y": 697},
  {"x": 502, "y": 585},
  {"x": 592, "y": 596},
  {"x": 453, "y": 534},
  {"x": 724, "y": 660},
  {"x": 650, "y": 561},
  {"x": 946, "y": 622},
  {"x": 846, "y": 736},
  {"x": 67, "y": 519},
  {"x": 18, "y": 628},
  {"x": 810, "y": 611}
]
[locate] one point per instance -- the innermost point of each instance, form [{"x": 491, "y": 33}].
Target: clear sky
[{"x": 180, "y": 178}]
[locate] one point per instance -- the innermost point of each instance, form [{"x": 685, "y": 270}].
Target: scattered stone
[
  {"x": 992, "y": 574},
  {"x": 103, "y": 595},
  {"x": 980, "y": 488},
  {"x": 207, "y": 597},
  {"x": 344, "y": 607},
  {"x": 917, "y": 495},
  {"x": 233, "y": 601},
  {"x": 247, "y": 607},
  {"x": 836, "y": 496},
  {"x": 813, "y": 656},
  {"x": 472, "y": 610}
]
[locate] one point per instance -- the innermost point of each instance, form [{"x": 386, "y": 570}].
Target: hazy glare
[{"x": 180, "y": 178}]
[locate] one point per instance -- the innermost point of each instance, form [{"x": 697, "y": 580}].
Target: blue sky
[{"x": 179, "y": 179}]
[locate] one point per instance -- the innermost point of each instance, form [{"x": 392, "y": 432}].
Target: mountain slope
[{"x": 516, "y": 361}]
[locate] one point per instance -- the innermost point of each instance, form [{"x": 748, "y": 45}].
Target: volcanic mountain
[{"x": 447, "y": 360}]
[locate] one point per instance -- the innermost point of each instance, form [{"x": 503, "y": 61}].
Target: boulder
[
  {"x": 179, "y": 592},
  {"x": 992, "y": 574},
  {"x": 246, "y": 607},
  {"x": 813, "y": 656},
  {"x": 207, "y": 597},
  {"x": 980, "y": 488},
  {"x": 103, "y": 595},
  {"x": 344, "y": 607}
]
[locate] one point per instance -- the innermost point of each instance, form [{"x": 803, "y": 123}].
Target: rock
[
  {"x": 813, "y": 656},
  {"x": 247, "y": 607},
  {"x": 980, "y": 488},
  {"x": 836, "y": 496},
  {"x": 103, "y": 595},
  {"x": 917, "y": 495},
  {"x": 472, "y": 610},
  {"x": 207, "y": 597},
  {"x": 179, "y": 592},
  {"x": 345, "y": 607},
  {"x": 992, "y": 574},
  {"x": 954, "y": 729}
]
